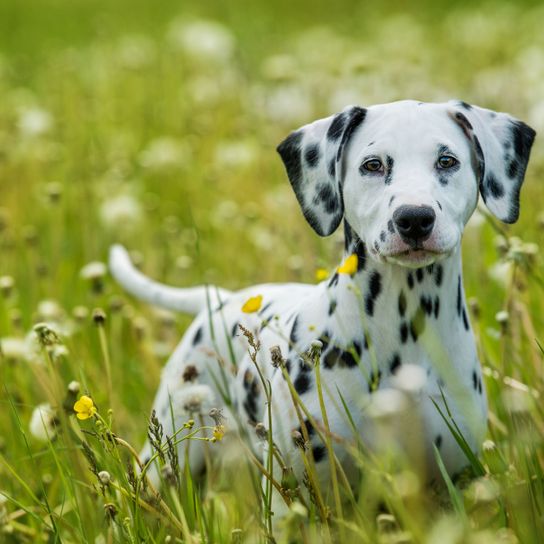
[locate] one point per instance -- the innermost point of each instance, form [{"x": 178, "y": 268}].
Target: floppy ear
[
  {"x": 502, "y": 145},
  {"x": 312, "y": 156}
]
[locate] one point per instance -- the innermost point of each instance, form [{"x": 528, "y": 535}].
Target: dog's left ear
[
  {"x": 502, "y": 145},
  {"x": 312, "y": 156}
]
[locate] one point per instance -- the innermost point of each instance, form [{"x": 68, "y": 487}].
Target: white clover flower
[
  {"x": 13, "y": 349},
  {"x": 410, "y": 379},
  {"x": 202, "y": 40},
  {"x": 287, "y": 104},
  {"x": 198, "y": 398},
  {"x": 501, "y": 272},
  {"x": 43, "y": 422},
  {"x": 93, "y": 271},
  {"x": 237, "y": 154},
  {"x": 386, "y": 403},
  {"x": 34, "y": 121},
  {"x": 121, "y": 211},
  {"x": 164, "y": 154},
  {"x": 50, "y": 310}
]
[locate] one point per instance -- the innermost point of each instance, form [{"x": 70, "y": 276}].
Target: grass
[{"x": 117, "y": 127}]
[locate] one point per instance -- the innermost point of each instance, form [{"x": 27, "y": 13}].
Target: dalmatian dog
[{"x": 390, "y": 323}]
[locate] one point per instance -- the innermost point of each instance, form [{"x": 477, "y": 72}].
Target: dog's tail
[{"x": 189, "y": 300}]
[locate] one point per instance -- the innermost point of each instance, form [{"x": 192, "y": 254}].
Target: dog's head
[{"x": 406, "y": 175}]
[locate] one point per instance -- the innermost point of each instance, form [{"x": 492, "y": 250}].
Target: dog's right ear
[{"x": 312, "y": 156}]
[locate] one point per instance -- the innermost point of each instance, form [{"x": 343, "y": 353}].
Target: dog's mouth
[{"x": 416, "y": 258}]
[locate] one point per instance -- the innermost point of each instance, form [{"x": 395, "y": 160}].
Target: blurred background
[{"x": 155, "y": 124}]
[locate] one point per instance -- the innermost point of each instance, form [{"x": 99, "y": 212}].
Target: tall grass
[{"x": 162, "y": 137}]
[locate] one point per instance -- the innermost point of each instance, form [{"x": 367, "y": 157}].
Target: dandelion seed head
[
  {"x": 123, "y": 212},
  {"x": 94, "y": 270},
  {"x": 43, "y": 422}
]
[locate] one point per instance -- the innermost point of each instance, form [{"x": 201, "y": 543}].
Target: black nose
[{"x": 414, "y": 223}]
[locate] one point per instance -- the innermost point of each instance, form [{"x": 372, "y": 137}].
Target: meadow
[{"x": 156, "y": 127}]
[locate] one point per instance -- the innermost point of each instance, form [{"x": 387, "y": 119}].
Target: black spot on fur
[
  {"x": 198, "y": 336},
  {"x": 436, "y": 306},
  {"x": 465, "y": 320},
  {"x": 302, "y": 383},
  {"x": 474, "y": 380},
  {"x": 438, "y": 204},
  {"x": 334, "y": 280},
  {"x": 382, "y": 236},
  {"x": 430, "y": 269},
  {"x": 390, "y": 226},
  {"x": 376, "y": 246},
  {"x": 438, "y": 275},
  {"x": 332, "y": 306},
  {"x": 326, "y": 196},
  {"x": 337, "y": 127},
  {"x": 395, "y": 363},
  {"x": 402, "y": 304},
  {"x": 319, "y": 452},
  {"x": 264, "y": 308},
  {"x": 289, "y": 151},
  {"x": 512, "y": 169},
  {"x": 342, "y": 358},
  {"x": 419, "y": 275},
  {"x": 410, "y": 279},
  {"x": 389, "y": 163},
  {"x": 459, "y": 297},
  {"x": 391, "y": 200},
  {"x": 426, "y": 304},
  {"x": 374, "y": 289},
  {"x": 293, "y": 336},
  {"x": 403, "y": 332},
  {"x": 312, "y": 155},
  {"x": 494, "y": 186},
  {"x": 464, "y": 105}
]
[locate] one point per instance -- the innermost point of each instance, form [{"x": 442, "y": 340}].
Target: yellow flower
[
  {"x": 218, "y": 432},
  {"x": 84, "y": 407},
  {"x": 321, "y": 274},
  {"x": 252, "y": 304},
  {"x": 349, "y": 266}
]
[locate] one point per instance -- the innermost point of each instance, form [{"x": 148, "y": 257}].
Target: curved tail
[{"x": 189, "y": 300}]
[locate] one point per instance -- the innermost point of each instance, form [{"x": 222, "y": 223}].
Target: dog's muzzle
[{"x": 414, "y": 224}]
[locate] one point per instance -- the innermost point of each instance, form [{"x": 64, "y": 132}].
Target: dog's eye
[
  {"x": 372, "y": 165},
  {"x": 446, "y": 161}
]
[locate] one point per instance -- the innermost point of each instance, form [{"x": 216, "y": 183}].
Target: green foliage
[{"x": 123, "y": 122}]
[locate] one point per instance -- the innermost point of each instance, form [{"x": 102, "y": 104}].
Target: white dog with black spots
[{"x": 405, "y": 178}]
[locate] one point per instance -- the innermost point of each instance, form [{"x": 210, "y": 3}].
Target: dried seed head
[
  {"x": 260, "y": 431},
  {"x": 502, "y": 317},
  {"x": 217, "y": 415},
  {"x": 104, "y": 477},
  {"x": 99, "y": 316},
  {"x": 46, "y": 335},
  {"x": 110, "y": 510},
  {"x": 190, "y": 373},
  {"x": 474, "y": 306},
  {"x": 80, "y": 313},
  {"x": 277, "y": 358},
  {"x": 92, "y": 271},
  {"x": 6, "y": 285},
  {"x": 298, "y": 439},
  {"x": 53, "y": 192},
  {"x": 74, "y": 387}
]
